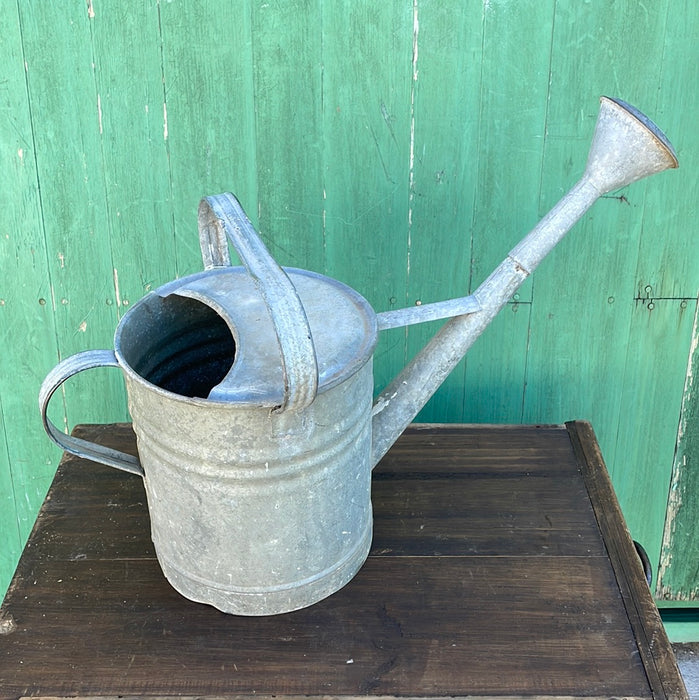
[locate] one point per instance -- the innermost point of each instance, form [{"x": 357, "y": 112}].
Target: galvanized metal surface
[
  {"x": 428, "y": 312},
  {"x": 293, "y": 334},
  {"x": 89, "y": 359},
  {"x": 252, "y": 511},
  {"x": 254, "y": 374},
  {"x": 258, "y": 510}
]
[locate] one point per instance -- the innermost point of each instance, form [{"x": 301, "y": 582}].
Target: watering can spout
[{"x": 626, "y": 147}]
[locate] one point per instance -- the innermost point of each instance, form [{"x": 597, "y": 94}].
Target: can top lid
[{"x": 343, "y": 328}]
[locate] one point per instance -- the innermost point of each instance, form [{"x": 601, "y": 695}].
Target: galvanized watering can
[{"x": 251, "y": 389}]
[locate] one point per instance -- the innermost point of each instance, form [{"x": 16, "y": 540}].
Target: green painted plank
[
  {"x": 10, "y": 543},
  {"x": 65, "y": 111},
  {"x": 582, "y": 294},
  {"x": 129, "y": 81},
  {"x": 496, "y": 366},
  {"x": 669, "y": 249},
  {"x": 651, "y": 397},
  {"x": 367, "y": 80},
  {"x": 587, "y": 350},
  {"x": 446, "y": 87},
  {"x": 209, "y": 103},
  {"x": 27, "y": 332},
  {"x": 676, "y": 273},
  {"x": 512, "y": 104},
  {"x": 678, "y": 577},
  {"x": 288, "y": 89},
  {"x": 515, "y": 75}
]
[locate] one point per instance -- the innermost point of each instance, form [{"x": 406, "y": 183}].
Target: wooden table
[{"x": 501, "y": 567}]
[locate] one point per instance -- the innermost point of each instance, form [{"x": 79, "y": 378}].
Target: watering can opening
[
  {"x": 179, "y": 344},
  {"x": 209, "y": 337}
]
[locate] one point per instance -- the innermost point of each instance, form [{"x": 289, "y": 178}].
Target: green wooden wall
[{"x": 402, "y": 147}]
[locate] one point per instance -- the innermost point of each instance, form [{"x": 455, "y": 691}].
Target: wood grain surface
[{"x": 501, "y": 567}]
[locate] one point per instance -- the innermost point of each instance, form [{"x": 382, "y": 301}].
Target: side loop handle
[
  {"x": 222, "y": 215},
  {"x": 83, "y": 448}
]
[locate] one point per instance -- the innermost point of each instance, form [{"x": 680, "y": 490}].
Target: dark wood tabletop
[{"x": 501, "y": 567}]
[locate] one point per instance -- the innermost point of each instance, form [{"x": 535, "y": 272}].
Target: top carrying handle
[{"x": 222, "y": 216}]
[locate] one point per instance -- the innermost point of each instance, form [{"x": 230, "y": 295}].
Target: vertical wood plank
[
  {"x": 511, "y": 130},
  {"x": 367, "y": 74},
  {"x": 129, "y": 80},
  {"x": 288, "y": 74},
  {"x": 494, "y": 382},
  {"x": 66, "y": 120},
  {"x": 669, "y": 248},
  {"x": 678, "y": 575},
  {"x": 650, "y": 404},
  {"x": 27, "y": 330},
  {"x": 582, "y": 294},
  {"x": 443, "y": 149},
  {"x": 209, "y": 103},
  {"x": 674, "y": 271}
]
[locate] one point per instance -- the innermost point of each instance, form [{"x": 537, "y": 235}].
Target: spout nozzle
[
  {"x": 664, "y": 143},
  {"x": 626, "y": 147}
]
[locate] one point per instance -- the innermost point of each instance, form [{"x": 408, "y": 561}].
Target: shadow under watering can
[{"x": 251, "y": 394}]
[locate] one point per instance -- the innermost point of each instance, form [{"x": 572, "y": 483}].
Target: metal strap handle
[
  {"x": 83, "y": 448},
  {"x": 222, "y": 215}
]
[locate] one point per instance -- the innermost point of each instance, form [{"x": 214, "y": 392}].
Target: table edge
[{"x": 653, "y": 644}]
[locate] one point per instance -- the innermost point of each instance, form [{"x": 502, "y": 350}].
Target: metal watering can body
[
  {"x": 250, "y": 390},
  {"x": 251, "y": 394}
]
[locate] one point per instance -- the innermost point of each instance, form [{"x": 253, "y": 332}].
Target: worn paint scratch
[
  {"x": 116, "y": 287},
  {"x": 389, "y": 121},
  {"x": 325, "y": 229},
  {"x": 90, "y": 10},
  {"x": 99, "y": 111},
  {"x": 386, "y": 173},
  {"x": 411, "y": 171},
  {"x": 416, "y": 30}
]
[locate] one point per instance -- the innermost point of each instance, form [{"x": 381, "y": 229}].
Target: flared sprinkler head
[{"x": 626, "y": 147}]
